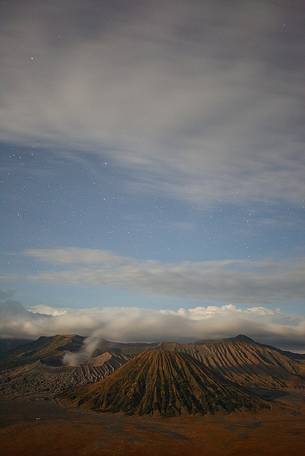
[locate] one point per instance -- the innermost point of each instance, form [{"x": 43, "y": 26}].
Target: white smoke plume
[{"x": 74, "y": 359}]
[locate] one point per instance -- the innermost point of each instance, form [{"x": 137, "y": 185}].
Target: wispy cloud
[
  {"x": 74, "y": 255},
  {"x": 200, "y": 101},
  {"x": 229, "y": 280}
]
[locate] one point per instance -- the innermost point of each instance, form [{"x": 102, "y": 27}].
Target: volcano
[
  {"x": 246, "y": 362},
  {"x": 166, "y": 383}
]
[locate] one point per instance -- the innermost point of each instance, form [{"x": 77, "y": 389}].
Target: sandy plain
[{"x": 38, "y": 427}]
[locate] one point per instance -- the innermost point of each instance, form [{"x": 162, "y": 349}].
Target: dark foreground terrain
[{"x": 36, "y": 427}]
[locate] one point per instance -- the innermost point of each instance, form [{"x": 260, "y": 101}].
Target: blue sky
[
  {"x": 53, "y": 201},
  {"x": 172, "y": 152}
]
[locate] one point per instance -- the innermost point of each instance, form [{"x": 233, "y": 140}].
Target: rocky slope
[
  {"x": 41, "y": 379},
  {"x": 51, "y": 349},
  {"x": 167, "y": 383},
  {"x": 166, "y": 378},
  {"x": 42, "y": 367},
  {"x": 246, "y": 362}
]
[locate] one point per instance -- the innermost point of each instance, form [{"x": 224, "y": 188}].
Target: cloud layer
[
  {"x": 200, "y": 101},
  {"x": 138, "y": 324},
  {"x": 234, "y": 280}
]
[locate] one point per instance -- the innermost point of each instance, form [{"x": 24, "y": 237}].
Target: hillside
[
  {"x": 38, "y": 368},
  {"x": 7, "y": 344},
  {"x": 41, "y": 379},
  {"x": 124, "y": 348},
  {"x": 246, "y": 362},
  {"x": 51, "y": 349},
  {"x": 166, "y": 383},
  {"x": 167, "y": 378}
]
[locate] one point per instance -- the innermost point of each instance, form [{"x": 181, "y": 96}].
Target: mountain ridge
[
  {"x": 252, "y": 371},
  {"x": 167, "y": 383}
]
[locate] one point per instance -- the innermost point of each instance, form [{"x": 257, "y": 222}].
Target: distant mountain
[
  {"x": 39, "y": 379},
  {"x": 37, "y": 367},
  {"x": 203, "y": 377},
  {"x": 239, "y": 338},
  {"x": 246, "y": 362},
  {"x": 7, "y": 344},
  {"x": 167, "y": 383},
  {"x": 127, "y": 348},
  {"x": 167, "y": 378},
  {"x": 51, "y": 349}
]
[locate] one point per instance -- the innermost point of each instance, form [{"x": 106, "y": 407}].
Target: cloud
[
  {"x": 74, "y": 255},
  {"x": 47, "y": 310},
  {"x": 138, "y": 324},
  {"x": 255, "y": 282},
  {"x": 16, "y": 321},
  {"x": 199, "y": 101}
]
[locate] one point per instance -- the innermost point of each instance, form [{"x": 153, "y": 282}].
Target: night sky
[{"x": 152, "y": 169}]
